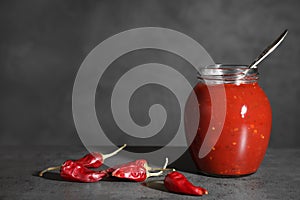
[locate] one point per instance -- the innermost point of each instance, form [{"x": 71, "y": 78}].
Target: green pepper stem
[
  {"x": 113, "y": 153},
  {"x": 49, "y": 169}
]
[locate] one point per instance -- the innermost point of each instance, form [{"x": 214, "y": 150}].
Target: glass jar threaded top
[{"x": 225, "y": 73}]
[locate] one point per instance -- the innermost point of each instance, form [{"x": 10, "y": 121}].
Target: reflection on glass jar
[{"x": 243, "y": 133}]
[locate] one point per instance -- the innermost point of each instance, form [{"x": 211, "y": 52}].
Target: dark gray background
[{"x": 43, "y": 42}]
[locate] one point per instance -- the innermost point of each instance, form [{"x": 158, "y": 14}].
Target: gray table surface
[{"x": 277, "y": 178}]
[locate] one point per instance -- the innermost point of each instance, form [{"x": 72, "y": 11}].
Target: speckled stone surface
[{"x": 277, "y": 178}]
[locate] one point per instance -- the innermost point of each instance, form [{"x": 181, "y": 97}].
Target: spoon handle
[{"x": 268, "y": 50}]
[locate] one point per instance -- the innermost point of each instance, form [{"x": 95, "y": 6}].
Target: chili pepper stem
[
  {"x": 157, "y": 173},
  {"x": 162, "y": 169},
  {"x": 113, "y": 153},
  {"x": 49, "y": 169}
]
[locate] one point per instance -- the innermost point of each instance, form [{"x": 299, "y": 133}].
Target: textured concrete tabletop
[{"x": 277, "y": 178}]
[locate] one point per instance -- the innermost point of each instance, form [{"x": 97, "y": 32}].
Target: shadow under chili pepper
[
  {"x": 185, "y": 164},
  {"x": 56, "y": 177},
  {"x": 114, "y": 179},
  {"x": 156, "y": 185}
]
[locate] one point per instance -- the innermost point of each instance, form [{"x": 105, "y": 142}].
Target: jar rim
[
  {"x": 219, "y": 65},
  {"x": 228, "y": 73}
]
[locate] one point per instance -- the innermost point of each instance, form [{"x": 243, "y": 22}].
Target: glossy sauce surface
[{"x": 245, "y": 133}]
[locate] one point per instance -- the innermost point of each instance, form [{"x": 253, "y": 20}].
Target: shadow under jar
[{"x": 234, "y": 143}]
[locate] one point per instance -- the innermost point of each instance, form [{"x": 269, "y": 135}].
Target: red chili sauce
[{"x": 244, "y": 135}]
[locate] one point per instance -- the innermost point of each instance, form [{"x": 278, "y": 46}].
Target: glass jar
[{"x": 234, "y": 124}]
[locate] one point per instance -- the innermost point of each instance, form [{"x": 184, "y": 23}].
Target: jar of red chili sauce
[{"x": 234, "y": 124}]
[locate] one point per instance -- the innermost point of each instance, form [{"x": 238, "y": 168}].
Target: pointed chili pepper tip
[{"x": 178, "y": 183}]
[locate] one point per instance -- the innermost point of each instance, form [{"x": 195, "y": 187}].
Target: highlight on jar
[{"x": 235, "y": 118}]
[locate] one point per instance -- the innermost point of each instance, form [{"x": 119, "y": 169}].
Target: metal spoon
[{"x": 267, "y": 51}]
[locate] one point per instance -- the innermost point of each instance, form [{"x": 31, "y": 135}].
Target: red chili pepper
[
  {"x": 95, "y": 159},
  {"x": 178, "y": 183},
  {"x": 136, "y": 171},
  {"x": 73, "y": 171}
]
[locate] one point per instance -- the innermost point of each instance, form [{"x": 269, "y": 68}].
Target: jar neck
[{"x": 228, "y": 74}]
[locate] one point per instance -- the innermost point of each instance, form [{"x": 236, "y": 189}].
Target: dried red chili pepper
[
  {"x": 178, "y": 183},
  {"x": 93, "y": 160},
  {"x": 73, "y": 171},
  {"x": 136, "y": 171}
]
